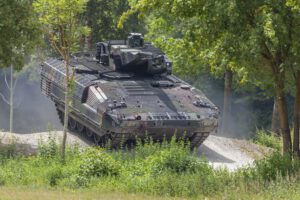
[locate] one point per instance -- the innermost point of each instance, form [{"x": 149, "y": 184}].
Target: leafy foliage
[
  {"x": 166, "y": 169},
  {"x": 268, "y": 140},
  {"x": 62, "y": 26},
  {"x": 19, "y": 32},
  {"x": 102, "y": 16},
  {"x": 96, "y": 162},
  {"x": 270, "y": 168},
  {"x": 213, "y": 36},
  {"x": 61, "y": 23},
  {"x": 256, "y": 40}
]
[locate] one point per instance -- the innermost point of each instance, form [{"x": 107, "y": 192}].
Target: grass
[
  {"x": 268, "y": 139},
  {"x": 280, "y": 190},
  {"x": 29, "y": 193},
  {"x": 150, "y": 171}
]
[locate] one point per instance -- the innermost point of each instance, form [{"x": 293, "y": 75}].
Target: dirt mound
[
  {"x": 231, "y": 153},
  {"x": 219, "y": 151},
  {"x": 28, "y": 143}
]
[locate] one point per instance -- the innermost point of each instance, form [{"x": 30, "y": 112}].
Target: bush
[
  {"x": 8, "y": 151},
  {"x": 167, "y": 169},
  {"x": 54, "y": 175},
  {"x": 269, "y": 168},
  {"x": 268, "y": 140},
  {"x": 176, "y": 160},
  {"x": 174, "y": 157},
  {"x": 97, "y": 162},
  {"x": 50, "y": 149}
]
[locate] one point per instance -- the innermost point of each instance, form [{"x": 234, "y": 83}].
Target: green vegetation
[
  {"x": 167, "y": 169},
  {"x": 103, "y": 16},
  {"x": 268, "y": 139},
  {"x": 19, "y": 32},
  {"x": 245, "y": 45},
  {"x": 249, "y": 42},
  {"x": 61, "y": 24}
]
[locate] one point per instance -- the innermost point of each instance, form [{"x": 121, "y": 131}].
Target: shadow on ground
[{"x": 212, "y": 156}]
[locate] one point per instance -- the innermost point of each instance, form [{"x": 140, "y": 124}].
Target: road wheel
[
  {"x": 97, "y": 138},
  {"x": 89, "y": 133},
  {"x": 80, "y": 127},
  {"x": 72, "y": 124},
  {"x": 60, "y": 116}
]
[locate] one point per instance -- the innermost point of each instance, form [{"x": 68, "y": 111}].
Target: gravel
[
  {"x": 231, "y": 153},
  {"x": 220, "y": 151}
]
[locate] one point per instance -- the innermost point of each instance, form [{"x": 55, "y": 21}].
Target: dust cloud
[
  {"x": 33, "y": 111},
  {"x": 248, "y": 110}
]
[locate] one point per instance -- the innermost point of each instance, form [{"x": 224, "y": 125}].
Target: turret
[{"x": 133, "y": 55}]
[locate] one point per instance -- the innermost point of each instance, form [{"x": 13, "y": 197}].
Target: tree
[
  {"x": 102, "y": 16},
  {"x": 19, "y": 36},
  {"x": 63, "y": 28},
  {"x": 19, "y": 32},
  {"x": 10, "y": 101},
  {"x": 294, "y": 62},
  {"x": 257, "y": 39},
  {"x": 178, "y": 34},
  {"x": 275, "y": 127}
]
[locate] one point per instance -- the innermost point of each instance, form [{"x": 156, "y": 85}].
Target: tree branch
[
  {"x": 4, "y": 99},
  {"x": 269, "y": 57},
  {"x": 15, "y": 84},
  {"x": 5, "y": 78}
]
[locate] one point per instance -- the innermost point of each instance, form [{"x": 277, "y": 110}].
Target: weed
[
  {"x": 268, "y": 139},
  {"x": 97, "y": 162},
  {"x": 54, "y": 175},
  {"x": 164, "y": 169},
  {"x": 49, "y": 149}
]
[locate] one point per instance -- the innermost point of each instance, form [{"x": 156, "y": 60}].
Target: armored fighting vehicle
[{"x": 126, "y": 90}]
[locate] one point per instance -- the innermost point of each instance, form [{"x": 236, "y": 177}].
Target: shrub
[
  {"x": 50, "y": 149},
  {"x": 175, "y": 157},
  {"x": 268, "y": 140},
  {"x": 54, "y": 175},
  {"x": 269, "y": 168},
  {"x": 146, "y": 148},
  {"x": 97, "y": 162},
  {"x": 8, "y": 151},
  {"x": 175, "y": 160}
]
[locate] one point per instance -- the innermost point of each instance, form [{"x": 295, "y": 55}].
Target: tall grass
[
  {"x": 166, "y": 169},
  {"x": 268, "y": 139}
]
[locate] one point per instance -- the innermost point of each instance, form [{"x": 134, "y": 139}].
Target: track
[
  {"x": 113, "y": 139},
  {"x": 102, "y": 138}
]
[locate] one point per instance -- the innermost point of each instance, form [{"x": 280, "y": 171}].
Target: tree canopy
[
  {"x": 64, "y": 28},
  {"x": 102, "y": 16},
  {"x": 19, "y": 32},
  {"x": 62, "y": 24},
  {"x": 257, "y": 40}
]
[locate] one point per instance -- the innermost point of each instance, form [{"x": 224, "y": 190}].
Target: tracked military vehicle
[{"x": 126, "y": 89}]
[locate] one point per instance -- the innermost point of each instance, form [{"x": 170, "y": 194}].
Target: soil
[
  {"x": 219, "y": 151},
  {"x": 231, "y": 153}
]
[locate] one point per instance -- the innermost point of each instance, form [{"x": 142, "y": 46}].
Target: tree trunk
[
  {"x": 275, "y": 128},
  {"x": 66, "y": 118},
  {"x": 11, "y": 101},
  {"x": 283, "y": 115},
  {"x": 227, "y": 101},
  {"x": 297, "y": 116}
]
